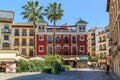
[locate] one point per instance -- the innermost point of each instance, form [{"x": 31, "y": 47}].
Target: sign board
[{"x": 6, "y": 16}]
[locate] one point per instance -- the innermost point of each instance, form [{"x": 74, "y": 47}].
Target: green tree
[
  {"x": 32, "y": 12},
  {"x": 54, "y": 13},
  {"x": 53, "y": 59}
]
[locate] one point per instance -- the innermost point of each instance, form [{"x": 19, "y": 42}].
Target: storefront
[
  {"x": 8, "y": 60},
  {"x": 83, "y": 61}
]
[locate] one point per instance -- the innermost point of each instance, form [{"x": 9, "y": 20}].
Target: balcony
[
  {"x": 93, "y": 43},
  {"x": 24, "y": 44},
  {"x": 31, "y": 34},
  {"x": 74, "y": 42},
  {"x": 74, "y": 53},
  {"x": 49, "y": 42},
  {"x": 66, "y": 53},
  {"x": 8, "y": 31},
  {"x": 31, "y": 43},
  {"x": 61, "y": 31},
  {"x": 100, "y": 41},
  {"x": 104, "y": 40},
  {"x": 93, "y": 34},
  {"x": 16, "y": 43},
  {"x": 93, "y": 48},
  {"x": 93, "y": 38},
  {"x": 58, "y": 42},
  {"x": 66, "y": 41},
  {"x": 100, "y": 49},
  {"x": 24, "y": 33},
  {"x": 104, "y": 49}
]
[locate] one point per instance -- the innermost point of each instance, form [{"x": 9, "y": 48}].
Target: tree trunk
[
  {"x": 54, "y": 41},
  {"x": 34, "y": 50}
]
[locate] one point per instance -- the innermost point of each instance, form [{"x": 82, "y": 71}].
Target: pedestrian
[{"x": 107, "y": 68}]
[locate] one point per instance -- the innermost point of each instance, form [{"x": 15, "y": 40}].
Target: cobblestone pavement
[{"x": 81, "y": 74}]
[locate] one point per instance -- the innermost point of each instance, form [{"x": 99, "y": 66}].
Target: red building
[{"x": 70, "y": 41}]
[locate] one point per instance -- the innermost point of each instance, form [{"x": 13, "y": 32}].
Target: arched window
[
  {"x": 74, "y": 51},
  {"x": 43, "y": 28},
  {"x": 39, "y": 28},
  {"x": 66, "y": 39},
  {"x": 73, "y": 39},
  {"x": 58, "y": 50},
  {"x": 49, "y": 39},
  {"x": 57, "y": 39}
]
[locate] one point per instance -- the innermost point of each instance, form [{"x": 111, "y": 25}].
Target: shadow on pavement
[{"x": 70, "y": 75}]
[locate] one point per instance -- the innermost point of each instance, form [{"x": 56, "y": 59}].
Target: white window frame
[
  {"x": 41, "y": 50},
  {"x": 56, "y": 36},
  {"x": 65, "y": 36},
  {"x": 56, "y": 47},
  {"x": 72, "y": 50},
  {"x": 47, "y": 49},
  {"x": 75, "y": 38},
  {"x": 80, "y": 48},
  {"x": 41, "y": 39},
  {"x": 83, "y": 38}
]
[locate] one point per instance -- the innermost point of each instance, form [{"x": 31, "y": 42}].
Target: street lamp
[{"x": 76, "y": 62}]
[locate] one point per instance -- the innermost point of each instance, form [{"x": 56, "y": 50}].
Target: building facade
[
  {"x": 104, "y": 46},
  {"x": 91, "y": 42},
  {"x": 8, "y": 54},
  {"x": 23, "y": 38},
  {"x": 70, "y": 41},
  {"x": 6, "y": 19},
  {"x": 113, "y": 7}
]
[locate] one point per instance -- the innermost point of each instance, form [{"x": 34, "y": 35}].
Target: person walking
[{"x": 107, "y": 68}]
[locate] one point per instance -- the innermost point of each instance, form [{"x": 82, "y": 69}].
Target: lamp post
[{"x": 76, "y": 62}]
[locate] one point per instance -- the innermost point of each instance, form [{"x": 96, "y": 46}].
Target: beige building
[
  {"x": 91, "y": 42},
  {"x": 8, "y": 54},
  {"x": 23, "y": 38},
  {"x": 113, "y": 7},
  {"x": 104, "y": 48},
  {"x": 6, "y": 38}
]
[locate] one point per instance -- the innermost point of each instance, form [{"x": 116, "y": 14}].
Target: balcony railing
[
  {"x": 57, "y": 41},
  {"x": 24, "y": 33},
  {"x": 24, "y": 44},
  {"x": 104, "y": 40},
  {"x": 74, "y": 41},
  {"x": 49, "y": 42},
  {"x": 31, "y": 33},
  {"x": 59, "y": 31},
  {"x": 104, "y": 49},
  {"x": 74, "y": 53},
  {"x": 16, "y": 44},
  {"x": 31, "y": 43},
  {"x": 66, "y": 53},
  {"x": 66, "y": 41},
  {"x": 100, "y": 41},
  {"x": 6, "y": 31},
  {"x": 100, "y": 49}
]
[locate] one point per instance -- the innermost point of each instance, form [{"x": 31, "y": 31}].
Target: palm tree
[
  {"x": 54, "y": 13},
  {"x": 32, "y": 12}
]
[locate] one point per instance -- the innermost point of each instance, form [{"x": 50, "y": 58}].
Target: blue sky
[{"x": 92, "y": 11}]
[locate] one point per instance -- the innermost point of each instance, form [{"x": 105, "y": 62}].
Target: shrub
[
  {"x": 18, "y": 69},
  {"x": 67, "y": 67},
  {"x": 31, "y": 66},
  {"x": 46, "y": 69},
  {"x": 53, "y": 59}
]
